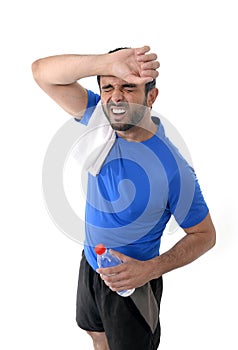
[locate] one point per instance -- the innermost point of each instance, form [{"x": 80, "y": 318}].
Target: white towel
[{"x": 95, "y": 142}]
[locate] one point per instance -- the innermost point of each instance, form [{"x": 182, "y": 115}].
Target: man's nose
[{"x": 117, "y": 96}]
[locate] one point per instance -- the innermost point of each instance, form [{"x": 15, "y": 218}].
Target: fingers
[
  {"x": 150, "y": 74},
  {"x": 148, "y": 64},
  {"x": 117, "y": 282},
  {"x": 145, "y": 77},
  {"x": 111, "y": 271},
  {"x": 142, "y": 57},
  {"x": 137, "y": 80},
  {"x": 147, "y": 58},
  {"x": 142, "y": 50},
  {"x": 149, "y": 68}
]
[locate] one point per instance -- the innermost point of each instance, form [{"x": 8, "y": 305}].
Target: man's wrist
[
  {"x": 153, "y": 268},
  {"x": 103, "y": 64}
]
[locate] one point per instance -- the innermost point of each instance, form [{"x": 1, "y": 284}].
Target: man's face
[{"x": 124, "y": 104}]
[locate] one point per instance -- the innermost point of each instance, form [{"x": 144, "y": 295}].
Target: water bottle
[{"x": 105, "y": 259}]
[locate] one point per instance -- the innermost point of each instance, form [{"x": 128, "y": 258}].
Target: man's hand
[
  {"x": 131, "y": 274},
  {"x": 136, "y": 66}
]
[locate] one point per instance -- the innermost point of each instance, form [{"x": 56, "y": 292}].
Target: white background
[{"x": 196, "y": 42}]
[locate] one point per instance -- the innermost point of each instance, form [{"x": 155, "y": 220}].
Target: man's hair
[{"x": 148, "y": 86}]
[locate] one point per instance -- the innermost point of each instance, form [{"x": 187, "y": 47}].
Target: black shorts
[{"x": 101, "y": 310}]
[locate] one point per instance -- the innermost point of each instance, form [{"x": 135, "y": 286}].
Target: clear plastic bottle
[{"x": 105, "y": 259}]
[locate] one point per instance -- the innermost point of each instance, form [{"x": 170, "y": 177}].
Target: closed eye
[
  {"x": 129, "y": 90},
  {"x": 129, "y": 87},
  {"x": 107, "y": 88},
  {"x": 124, "y": 87}
]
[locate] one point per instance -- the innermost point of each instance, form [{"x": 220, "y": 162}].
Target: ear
[{"x": 151, "y": 97}]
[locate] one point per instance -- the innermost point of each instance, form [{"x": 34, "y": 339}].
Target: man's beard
[
  {"x": 121, "y": 126},
  {"x": 135, "y": 112}
]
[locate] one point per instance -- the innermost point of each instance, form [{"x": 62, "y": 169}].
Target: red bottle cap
[{"x": 100, "y": 249}]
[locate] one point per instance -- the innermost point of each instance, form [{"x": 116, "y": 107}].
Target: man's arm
[
  {"x": 58, "y": 75},
  {"x": 134, "y": 273},
  {"x": 198, "y": 240}
]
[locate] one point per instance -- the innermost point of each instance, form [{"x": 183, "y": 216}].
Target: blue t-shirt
[{"x": 139, "y": 187}]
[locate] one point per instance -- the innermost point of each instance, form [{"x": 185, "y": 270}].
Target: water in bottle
[{"x": 105, "y": 259}]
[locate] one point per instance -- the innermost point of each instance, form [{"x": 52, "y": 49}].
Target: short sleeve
[
  {"x": 93, "y": 100},
  {"x": 186, "y": 201}
]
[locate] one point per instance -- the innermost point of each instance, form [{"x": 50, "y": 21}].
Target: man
[{"x": 142, "y": 182}]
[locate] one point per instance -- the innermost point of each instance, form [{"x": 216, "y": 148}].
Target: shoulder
[{"x": 93, "y": 100}]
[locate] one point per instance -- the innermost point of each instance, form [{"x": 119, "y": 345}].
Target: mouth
[{"x": 118, "y": 113}]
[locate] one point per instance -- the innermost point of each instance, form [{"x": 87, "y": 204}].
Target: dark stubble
[{"x": 135, "y": 112}]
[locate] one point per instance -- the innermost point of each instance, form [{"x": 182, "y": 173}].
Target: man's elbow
[
  {"x": 210, "y": 232},
  {"x": 35, "y": 68},
  {"x": 212, "y": 238}
]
